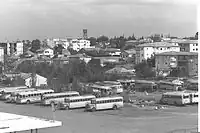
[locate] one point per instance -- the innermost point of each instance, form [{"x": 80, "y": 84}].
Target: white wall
[
  {"x": 193, "y": 47},
  {"x": 39, "y": 81}
]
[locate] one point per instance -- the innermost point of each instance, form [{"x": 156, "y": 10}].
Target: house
[
  {"x": 147, "y": 50},
  {"x": 77, "y": 44},
  {"x": 28, "y": 78},
  {"x": 112, "y": 51},
  {"x": 186, "y": 62},
  {"x": 45, "y": 52},
  {"x": 188, "y": 45}
]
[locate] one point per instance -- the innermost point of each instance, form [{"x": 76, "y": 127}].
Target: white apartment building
[
  {"x": 145, "y": 51},
  {"x": 53, "y": 42},
  {"x": 2, "y": 54},
  {"x": 186, "y": 45},
  {"x": 15, "y": 48},
  {"x": 79, "y": 44}
]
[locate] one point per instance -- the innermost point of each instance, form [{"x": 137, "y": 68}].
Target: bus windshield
[{"x": 93, "y": 101}]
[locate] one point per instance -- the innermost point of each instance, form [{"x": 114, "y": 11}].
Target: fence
[{"x": 190, "y": 130}]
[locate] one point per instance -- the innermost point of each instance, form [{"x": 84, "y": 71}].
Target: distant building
[
  {"x": 45, "y": 52},
  {"x": 28, "y": 78},
  {"x": 186, "y": 62},
  {"x": 2, "y": 54},
  {"x": 189, "y": 46},
  {"x": 147, "y": 50},
  {"x": 54, "y": 42},
  {"x": 77, "y": 44}
]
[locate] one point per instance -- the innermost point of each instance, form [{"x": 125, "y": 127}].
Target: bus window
[
  {"x": 195, "y": 95},
  {"x": 185, "y": 97}
]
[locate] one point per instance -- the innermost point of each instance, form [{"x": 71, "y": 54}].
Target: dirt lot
[{"x": 130, "y": 119}]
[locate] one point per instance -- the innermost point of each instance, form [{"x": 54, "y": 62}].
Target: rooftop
[
  {"x": 189, "y": 41},
  {"x": 177, "y": 53},
  {"x": 15, "y": 123},
  {"x": 158, "y": 44}
]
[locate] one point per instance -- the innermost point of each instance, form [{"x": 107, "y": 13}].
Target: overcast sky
[{"x": 31, "y": 19}]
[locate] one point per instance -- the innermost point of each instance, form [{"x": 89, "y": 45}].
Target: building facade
[
  {"x": 147, "y": 50},
  {"x": 188, "y": 45},
  {"x": 2, "y": 54},
  {"x": 186, "y": 62},
  {"x": 77, "y": 44}
]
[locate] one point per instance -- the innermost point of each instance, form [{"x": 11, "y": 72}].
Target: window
[
  {"x": 193, "y": 49},
  {"x": 197, "y": 44},
  {"x": 196, "y": 49},
  {"x": 160, "y": 48},
  {"x": 185, "y": 97},
  {"x": 195, "y": 95},
  {"x": 166, "y": 63}
]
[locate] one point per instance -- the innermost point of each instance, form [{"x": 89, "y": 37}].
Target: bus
[
  {"x": 6, "y": 92},
  {"x": 13, "y": 95},
  {"x": 54, "y": 98},
  {"x": 167, "y": 85},
  {"x": 32, "y": 97},
  {"x": 116, "y": 87},
  {"x": 114, "y": 102},
  {"x": 78, "y": 101},
  {"x": 100, "y": 90},
  {"x": 145, "y": 85},
  {"x": 193, "y": 96},
  {"x": 127, "y": 82},
  {"x": 175, "y": 98}
]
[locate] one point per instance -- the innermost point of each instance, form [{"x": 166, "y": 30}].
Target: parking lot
[{"x": 129, "y": 119}]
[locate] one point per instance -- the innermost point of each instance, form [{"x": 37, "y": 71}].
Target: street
[{"x": 127, "y": 120}]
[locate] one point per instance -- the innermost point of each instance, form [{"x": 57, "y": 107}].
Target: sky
[{"x": 39, "y": 19}]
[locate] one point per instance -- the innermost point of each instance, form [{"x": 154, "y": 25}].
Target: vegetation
[
  {"x": 144, "y": 70},
  {"x": 35, "y": 45}
]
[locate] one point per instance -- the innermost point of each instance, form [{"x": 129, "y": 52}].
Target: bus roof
[
  {"x": 18, "y": 123},
  {"x": 36, "y": 91},
  {"x": 144, "y": 81},
  {"x": 126, "y": 80},
  {"x": 10, "y": 89},
  {"x": 107, "y": 98},
  {"x": 61, "y": 93},
  {"x": 175, "y": 93},
  {"x": 80, "y": 97},
  {"x": 101, "y": 87}
]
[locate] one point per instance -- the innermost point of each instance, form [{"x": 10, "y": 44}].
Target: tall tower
[{"x": 84, "y": 33}]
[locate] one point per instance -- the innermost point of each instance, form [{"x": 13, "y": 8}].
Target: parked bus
[
  {"x": 54, "y": 98},
  {"x": 6, "y": 92},
  {"x": 32, "y": 97},
  {"x": 13, "y": 95},
  {"x": 167, "y": 85},
  {"x": 175, "y": 98},
  {"x": 116, "y": 87},
  {"x": 103, "y": 103},
  {"x": 78, "y": 101},
  {"x": 99, "y": 90},
  {"x": 194, "y": 96},
  {"x": 145, "y": 85},
  {"x": 127, "y": 82}
]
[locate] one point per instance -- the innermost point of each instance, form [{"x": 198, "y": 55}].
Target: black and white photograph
[{"x": 99, "y": 66}]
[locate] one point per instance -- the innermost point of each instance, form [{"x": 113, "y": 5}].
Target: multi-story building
[
  {"x": 77, "y": 44},
  {"x": 13, "y": 48},
  {"x": 186, "y": 45},
  {"x": 53, "y": 42},
  {"x": 186, "y": 62},
  {"x": 147, "y": 50},
  {"x": 2, "y": 54}
]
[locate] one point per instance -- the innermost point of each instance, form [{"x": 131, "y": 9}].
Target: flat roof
[
  {"x": 158, "y": 44},
  {"x": 15, "y": 123},
  {"x": 173, "y": 53}
]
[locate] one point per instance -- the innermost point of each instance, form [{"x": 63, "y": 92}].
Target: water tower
[{"x": 85, "y": 33}]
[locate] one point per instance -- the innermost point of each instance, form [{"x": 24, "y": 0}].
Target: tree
[
  {"x": 93, "y": 41},
  {"x": 58, "y": 49},
  {"x": 35, "y": 45},
  {"x": 27, "y": 45},
  {"x": 196, "y": 35},
  {"x": 102, "y": 39},
  {"x": 143, "y": 70},
  {"x": 133, "y": 37}
]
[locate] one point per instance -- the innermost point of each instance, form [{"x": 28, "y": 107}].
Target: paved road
[{"x": 126, "y": 120}]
